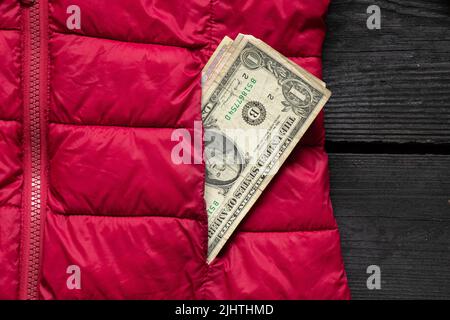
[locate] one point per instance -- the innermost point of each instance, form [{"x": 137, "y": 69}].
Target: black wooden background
[{"x": 388, "y": 135}]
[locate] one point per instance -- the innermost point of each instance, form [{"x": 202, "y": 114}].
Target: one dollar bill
[{"x": 256, "y": 106}]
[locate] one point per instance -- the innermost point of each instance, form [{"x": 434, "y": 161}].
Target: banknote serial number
[
  {"x": 213, "y": 207},
  {"x": 241, "y": 98},
  {"x": 225, "y": 310}
]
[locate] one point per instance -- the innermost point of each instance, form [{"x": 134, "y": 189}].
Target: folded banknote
[{"x": 256, "y": 106}]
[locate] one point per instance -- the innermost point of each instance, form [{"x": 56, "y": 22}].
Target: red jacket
[{"x": 91, "y": 205}]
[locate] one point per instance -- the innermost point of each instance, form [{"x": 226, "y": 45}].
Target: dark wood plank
[
  {"x": 393, "y": 211},
  {"x": 393, "y": 84}
]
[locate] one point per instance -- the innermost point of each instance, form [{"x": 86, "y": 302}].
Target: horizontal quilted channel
[
  {"x": 295, "y": 28},
  {"x": 173, "y": 23},
  {"x": 124, "y": 257},
  {"x": 98, "y": 81},
  {"x": 121, "y": 171}
]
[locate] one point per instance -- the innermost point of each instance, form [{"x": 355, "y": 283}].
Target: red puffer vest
[{"x": 91, "y": 205}]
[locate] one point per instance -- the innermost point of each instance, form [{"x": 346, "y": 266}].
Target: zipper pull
[{"x": 28, "y": 3}]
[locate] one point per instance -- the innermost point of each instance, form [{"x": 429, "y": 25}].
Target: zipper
[{"x": 34, "y": 78}]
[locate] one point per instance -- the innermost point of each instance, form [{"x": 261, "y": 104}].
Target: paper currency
[{"x": 256, "y": 105}]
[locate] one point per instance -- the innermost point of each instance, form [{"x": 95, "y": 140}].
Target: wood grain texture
[
  {"x": 389, "y": 85},
  {"x": 393, "y": 211}
]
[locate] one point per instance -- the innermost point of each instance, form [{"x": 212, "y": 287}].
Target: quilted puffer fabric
[{"x": 116, "y": 205}]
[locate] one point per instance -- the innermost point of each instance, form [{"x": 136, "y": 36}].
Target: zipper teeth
[{"x": 35, "y": 149}]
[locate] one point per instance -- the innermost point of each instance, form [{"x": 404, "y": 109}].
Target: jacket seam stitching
[
  {"x": 208, "y": 47},
  {"x": 11, "y": 120},
  {"x": 10, "y": 29},
  {"x": 105, "y": 38},
  {"x": 305, "y": 56},
  {"x": 290, "y": 231},
  {"x": 13, "y": 206},
  {"x": 117, "y": 126},
  {"x": 111, "y": 215}
]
